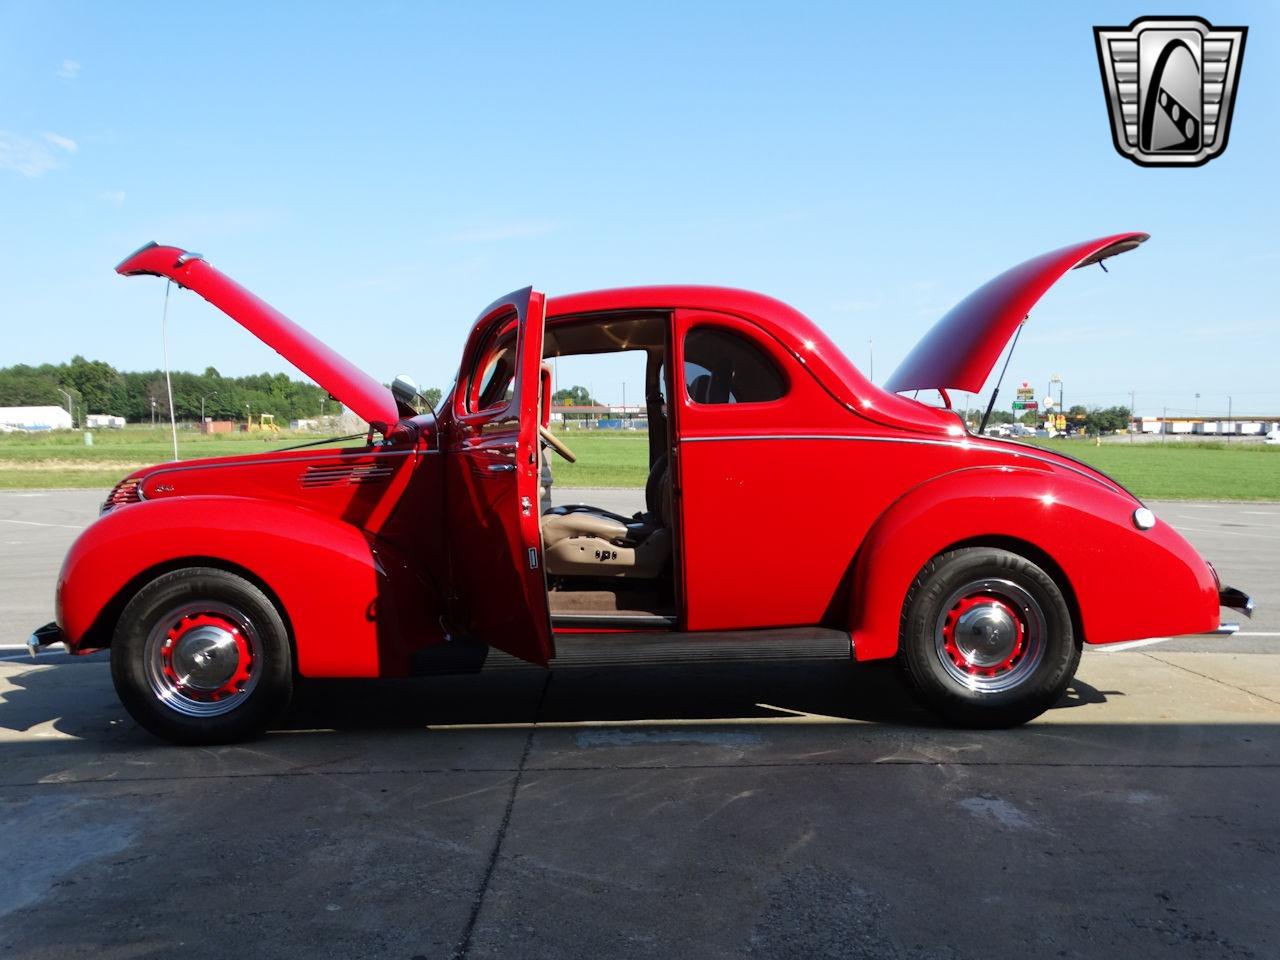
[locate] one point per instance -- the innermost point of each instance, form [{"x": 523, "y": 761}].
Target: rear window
[{"x": 721, "y": 366}]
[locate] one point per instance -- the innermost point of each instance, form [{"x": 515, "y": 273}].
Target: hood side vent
[
  {"x": 128, "y": 490},
  {"x": 343, "y": 474}
]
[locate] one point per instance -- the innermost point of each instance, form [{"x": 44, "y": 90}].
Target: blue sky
[{"x": 380, "y": 172}]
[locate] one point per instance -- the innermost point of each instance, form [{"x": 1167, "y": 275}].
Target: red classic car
[{"x": 785, "y": 490}]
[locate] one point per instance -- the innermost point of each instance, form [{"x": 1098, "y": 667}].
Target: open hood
[
  {"x": 961, "y": 348},
  {"x": 370, "y": 400}
]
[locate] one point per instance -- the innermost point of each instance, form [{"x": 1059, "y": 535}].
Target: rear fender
[
  {"x": 355, "y": 606},
  {"x": 1127, "y": 583}
]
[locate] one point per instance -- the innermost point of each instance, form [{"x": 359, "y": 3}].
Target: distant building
[
  {"x": 1237, "y": 426},
  {"x": 104, "y": 421},
  {"x": 35, "y": 418}
]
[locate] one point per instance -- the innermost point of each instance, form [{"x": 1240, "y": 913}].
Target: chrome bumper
[
  {"x": 48, "y": 634},
  {"x": 1234, "y": 599}
]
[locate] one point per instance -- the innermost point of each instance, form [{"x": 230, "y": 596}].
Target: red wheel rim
[
  {"x": 203, "y": 659},
  {"x": 186, "y": 627},
  {"x": 990, "y": 635},
  {"x": 966, "y": 659}
]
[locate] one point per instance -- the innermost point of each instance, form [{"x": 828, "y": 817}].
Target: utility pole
[
  {"x": 1230, "y": 425},
  {"x": 208, "y": 396},
  {"x": 1133, "y": 416},
  {"x": 871, "y": 359},
  {"x": 71, "y": 404}
]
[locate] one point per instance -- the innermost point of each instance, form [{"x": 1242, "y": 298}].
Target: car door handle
[{"x": 500, "y": 467}]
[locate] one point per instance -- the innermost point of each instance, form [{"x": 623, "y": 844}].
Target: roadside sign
[
  {"x": 1025, "y": 405},
  {"x": 1048, "y": 403}
]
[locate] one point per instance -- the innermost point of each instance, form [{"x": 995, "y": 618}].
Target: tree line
[
  {"x": 138, "y": 396},
  {"x": 1090, "y": 420}
]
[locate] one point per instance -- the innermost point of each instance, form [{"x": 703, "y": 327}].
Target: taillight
[{"x": 126, "y": 491}]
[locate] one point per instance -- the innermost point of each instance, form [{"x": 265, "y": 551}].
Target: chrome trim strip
[
  {"x": 824, "y": 436},
  {"x": 606, "y": 620},
  {"x": 926, "y": 441}
]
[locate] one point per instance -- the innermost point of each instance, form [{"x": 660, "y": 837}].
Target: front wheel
[
  {"x": 201, "y": 656},
  {"x": 986, "y": 638}
]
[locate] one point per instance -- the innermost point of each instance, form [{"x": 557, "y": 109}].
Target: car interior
[{"x": 601, "y": 565}]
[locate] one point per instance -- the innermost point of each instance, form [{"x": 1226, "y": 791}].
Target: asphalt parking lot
[{"x": 631, "y": 804}]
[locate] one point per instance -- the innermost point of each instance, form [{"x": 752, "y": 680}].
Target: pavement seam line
[
  {"x": 464, "y": 944},
  {"x": 674, "y": 767},
  {"x": 1205, "y": 676}
]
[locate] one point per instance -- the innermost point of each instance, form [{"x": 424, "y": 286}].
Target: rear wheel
[
  {"x": 201, "y": 656},
  {"x": 986, "y": 638}
]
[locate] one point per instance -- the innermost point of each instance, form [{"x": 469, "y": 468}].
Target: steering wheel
[{"x": 556, "y": 444}]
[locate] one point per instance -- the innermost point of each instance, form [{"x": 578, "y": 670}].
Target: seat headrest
[{"x": 700, "y": 388}]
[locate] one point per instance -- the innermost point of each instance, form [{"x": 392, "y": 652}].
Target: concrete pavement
[{"x": 784, "y": 809}]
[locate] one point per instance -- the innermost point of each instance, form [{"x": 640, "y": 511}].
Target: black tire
[
  {"x": 243, "y": 635},
  {"x": 1014, "y": 611}
]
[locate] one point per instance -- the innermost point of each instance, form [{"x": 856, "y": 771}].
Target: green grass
[
  {"x": 61, "y": 459},
  {"x": 611, "y": 458},
  {"x": 1211, "y": 471},
  {"x": 1183, "y": 471}
]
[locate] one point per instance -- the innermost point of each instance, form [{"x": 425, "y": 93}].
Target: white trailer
[{"x": 35, "y": 418}]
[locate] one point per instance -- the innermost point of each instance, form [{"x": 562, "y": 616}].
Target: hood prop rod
[{"x": 1000, "y": 379}]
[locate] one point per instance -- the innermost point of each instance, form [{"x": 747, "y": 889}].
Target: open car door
[{"x": 492, "y": 518}]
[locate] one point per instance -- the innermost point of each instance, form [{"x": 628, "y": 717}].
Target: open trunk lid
[
  {"x": 370, "y": 400},
  {"x": 959, "y": 350}
]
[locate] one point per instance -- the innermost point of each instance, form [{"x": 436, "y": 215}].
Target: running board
[
  {"x": 645, "y": 649},
  {"x": 617, "y": 649}
]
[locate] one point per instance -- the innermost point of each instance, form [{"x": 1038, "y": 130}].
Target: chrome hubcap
[
  {"x": 203, "y": 659},
  {"x": 990, "y": 636},
  {"x": 987, "y": 634}
]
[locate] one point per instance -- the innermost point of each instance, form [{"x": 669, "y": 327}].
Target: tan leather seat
[{"x": 581, "y": 540}]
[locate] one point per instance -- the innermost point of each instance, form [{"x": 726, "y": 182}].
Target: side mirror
[{"x": 404, "y": 390}]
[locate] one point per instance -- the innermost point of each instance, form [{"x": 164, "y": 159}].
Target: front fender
[
  {"x": 1127, "y": 583},
  {"x": 354, "y": 606}
]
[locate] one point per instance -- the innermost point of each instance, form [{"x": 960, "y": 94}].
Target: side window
[
  {"x": 721, "y": 366},
  {"x": 491, "y": 380}
]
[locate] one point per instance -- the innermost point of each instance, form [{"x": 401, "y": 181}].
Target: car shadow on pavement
[
  {"x": 658, "y": 693},
  {"x": 75, "y": 698}
]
